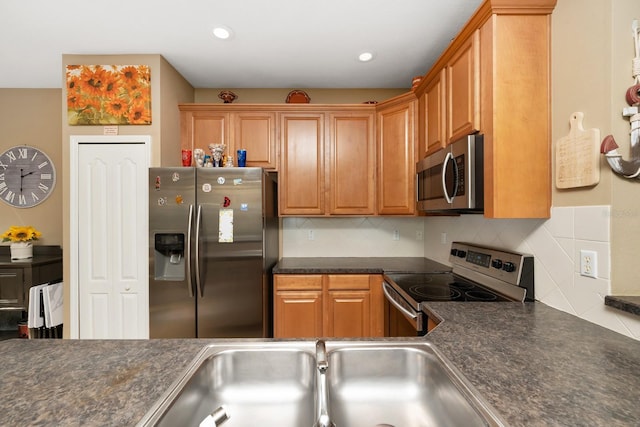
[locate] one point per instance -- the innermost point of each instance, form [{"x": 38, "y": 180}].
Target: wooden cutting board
[{"x": 578, "y": 155}]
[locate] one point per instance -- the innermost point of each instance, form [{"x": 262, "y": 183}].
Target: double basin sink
[{"x": 321, "y": 384}]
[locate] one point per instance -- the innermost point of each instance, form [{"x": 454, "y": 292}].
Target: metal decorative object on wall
[
  {"x": 609, "y": 147},
  {"x": 108, "y": 94}
]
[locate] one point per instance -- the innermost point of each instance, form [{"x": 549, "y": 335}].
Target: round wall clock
[{"x": 27, "y": 176}]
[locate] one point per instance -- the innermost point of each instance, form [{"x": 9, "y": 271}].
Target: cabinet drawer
[
  {"x": 298, "y": 282},
  {"x": 348, "y": 281}
]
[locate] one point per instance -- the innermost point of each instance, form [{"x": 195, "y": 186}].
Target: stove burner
[
  {"x": 464, "y": 286},
  {"x": 480, "y": 296},
  {"x": 435, "y": 293}
]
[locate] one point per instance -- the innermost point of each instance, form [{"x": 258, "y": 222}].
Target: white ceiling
[{"x": 276, "y": 44}]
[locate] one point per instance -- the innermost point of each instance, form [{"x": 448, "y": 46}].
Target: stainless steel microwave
[{"x": 452, "y": 179}]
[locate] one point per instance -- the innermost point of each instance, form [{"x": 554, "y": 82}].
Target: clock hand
[{"x": 22, "y": 177}]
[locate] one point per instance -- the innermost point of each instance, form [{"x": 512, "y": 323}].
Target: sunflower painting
[{"x": 108, "y": 95}]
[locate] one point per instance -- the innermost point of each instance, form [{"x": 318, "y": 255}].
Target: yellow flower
[{"x": 20, "y": 234}]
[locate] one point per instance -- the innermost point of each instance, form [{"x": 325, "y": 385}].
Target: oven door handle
[{"x": 403, "y": 310}]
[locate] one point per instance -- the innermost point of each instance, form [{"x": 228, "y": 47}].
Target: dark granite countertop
[
  {"x": 539, "y": 366},
  {"x": 630, "y": 304},
  {"x": 357, "y": 265},
  {"x": 535, "y": 365}
]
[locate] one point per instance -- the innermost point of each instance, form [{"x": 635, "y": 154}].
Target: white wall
[{"x": 352, "y": 237}]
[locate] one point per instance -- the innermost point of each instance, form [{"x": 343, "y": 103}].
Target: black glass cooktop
[{"x": 442, "y": 287}]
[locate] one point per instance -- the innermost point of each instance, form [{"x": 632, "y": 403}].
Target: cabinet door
[
  {"x": 297, "y": 306},
  {"x": 13, "y": 290},
  {"x": 301, "y": 180},
  {"x": 354, "y": 305},
  {"x": 351, "y": 164},
  {"x": 256, "y": 133},
  {"x": 198, "y": 129},
  {"x": 297, "y": 314},
  {"x": 348, "y": 314},
  {"x": 463, "y": 90},
  {"x": 396, "y": 159},
  {"x": 515, "y": 55},
  {"x": 434, "y": 114}
]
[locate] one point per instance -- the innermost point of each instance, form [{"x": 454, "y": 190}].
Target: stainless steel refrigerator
[{"x": 213, "y": 236}]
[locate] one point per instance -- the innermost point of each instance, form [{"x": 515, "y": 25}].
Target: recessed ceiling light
[
  {"x": 222, "y": 33},
  {"x": 365, "y": 56}
]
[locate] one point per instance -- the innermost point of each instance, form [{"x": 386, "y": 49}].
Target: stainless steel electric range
[{"x": 478, "y": 274}]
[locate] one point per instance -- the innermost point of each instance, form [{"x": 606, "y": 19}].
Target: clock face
[{"x": 27, "y": 176}]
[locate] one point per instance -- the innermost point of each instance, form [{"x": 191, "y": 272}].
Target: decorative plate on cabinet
[{"x": 298, "y": 97}]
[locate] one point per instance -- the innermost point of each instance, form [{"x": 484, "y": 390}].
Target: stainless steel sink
[
  {"x": 363, "y": 383},
  {"x": 258, "y": 384},
  {"x": 406, "y": 386}
]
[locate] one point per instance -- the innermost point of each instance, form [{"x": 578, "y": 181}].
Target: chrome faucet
[{"x": 323, "y": 365}]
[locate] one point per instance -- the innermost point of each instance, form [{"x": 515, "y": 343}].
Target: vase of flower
[
  {"x": 21, "y": 250},
  {"x": 21, "y": 241}
]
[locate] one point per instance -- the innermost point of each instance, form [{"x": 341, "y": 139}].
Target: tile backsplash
[
  {"x": 555, "y": 244},
  {"x": 352, "y": 237}
]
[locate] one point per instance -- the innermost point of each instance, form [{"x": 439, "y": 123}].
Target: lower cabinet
[{"x": 328, "y": 305}]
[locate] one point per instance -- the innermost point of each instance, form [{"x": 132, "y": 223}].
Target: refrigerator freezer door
[
  {"x": 172, "y": 302},
  {"x": 230, "y": 247}
]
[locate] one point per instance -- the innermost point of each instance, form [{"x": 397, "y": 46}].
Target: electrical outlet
[
  {"x": 589, "y": 263},
  {"x": 443, "y": 238},
  {"x": 311, "y": 235},
  {"x": 396, "y": 235},
  {"x": 419, "y": 235}
]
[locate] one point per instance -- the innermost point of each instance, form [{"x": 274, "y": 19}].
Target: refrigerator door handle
[
  {"x": 197, "y": 254},
  {"x": 188, "y": 257}
]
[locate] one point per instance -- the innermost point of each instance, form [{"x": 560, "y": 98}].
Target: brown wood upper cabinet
[
  {"x": 328, "y": 162},
  {"x": 497, "y": 79},
  {"x": 463, "y": 90},
  {"x": 237, "y": 126},
  {"x": 449, "y": 103},
  {"x": 396, "y": 145},
  {"x": 432, "y": 120},
  {"x": 301, "y": 178},
  {"x": 352, "y": 160},
  {"x": 255, "y": 131}
]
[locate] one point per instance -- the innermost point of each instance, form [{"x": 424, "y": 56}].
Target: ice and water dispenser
[{"x": 169, "y": 260}]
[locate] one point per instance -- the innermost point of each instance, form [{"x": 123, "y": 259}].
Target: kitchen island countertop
[{"x": 535, "y": 365}]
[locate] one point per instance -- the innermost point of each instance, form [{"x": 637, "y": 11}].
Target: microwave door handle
[
  {"x": 445, "y": 164},
  {"x": 188, "y": 257},
  {"x": 403, "y": 310},
  {"x": 197, "y": 254}
]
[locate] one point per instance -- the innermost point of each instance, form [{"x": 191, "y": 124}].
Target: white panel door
[{"x": 112, "y": 206}]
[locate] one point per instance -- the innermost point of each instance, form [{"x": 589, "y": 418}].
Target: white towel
[
  {"x": 35, "y": 320},
  {"x": 53, "y": 302}
]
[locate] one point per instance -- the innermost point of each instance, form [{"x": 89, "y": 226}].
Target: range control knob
[
  {"x": 454, "y": 252},
  {"x": 461, "y": 254},
  {"x": 496, "y": 263},
  {"x": 509, "y": 267}
]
